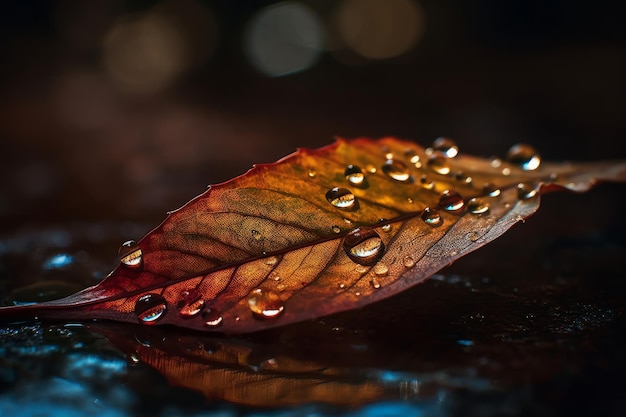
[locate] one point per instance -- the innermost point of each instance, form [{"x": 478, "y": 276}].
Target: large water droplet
[
  {"x": 439, "y": 163},
  {"x": 525, "y": 156},
  {"x": 212, "y": 317},
  {"x": 446, "y": 146},
  {"x": 355, "y": 176},
  {"x": 265, "y": 303},
  {"x": 526, "y": 191},
  {"x": 130, "y": 254},
  {"x": 364, "y": 246},
  {"x": 190, "y": 304},
  {"x": 477, "y": 206},
  {"x": 432, "y": 217},
  {"x": 375, "y": 283},
  {"x": 397, "y": 170},
  {"x": 150, "y": 307},
  {"x": 491, "y": 190},
  {"x": 451, "y": 201},
  {"x": 342, "y": 198}
]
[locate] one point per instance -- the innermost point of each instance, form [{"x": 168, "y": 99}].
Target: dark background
[
  {"x": 89, "y": 159},
  {"x": 77, "y": 143}
]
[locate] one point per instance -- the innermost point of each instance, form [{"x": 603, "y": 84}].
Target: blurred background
[{"x": 127, "y": 109}]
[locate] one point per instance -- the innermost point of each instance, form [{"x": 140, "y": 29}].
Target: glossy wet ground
[{"x": 532, "y": 324}]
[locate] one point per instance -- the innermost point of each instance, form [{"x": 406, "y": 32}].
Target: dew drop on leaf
[
  {"x": 312, "y": 173},
  {"x": 451, "y": 201},
  {"x": 477, "y": 206},
  {"x": 380, "y": 269},
  {"x": 386, "y": 228},
  {"x": 397, "y": 170},
  {"x": 355, "y": 176},
  {"x": 491, "y": 190},
  {"x": 256, "y": 235},
  {"x": 446, "y": 146},
  {"x": 412, "y": 156},
  {"x": 439, "y": 163},
  {"x": 130, "y": 254},
  {"x": 150, "y": 307},
  {"x": 364, "y": 246},
  {"x": 524, "y": 156},
  {"x": 526, "y": 191},
  {"x": 190, "y": 304},
  {"x": 342, "y": 198},
  {"x": 335, "y": 228},
  {"x": 212, "y": 318},
  {"x": 408, "y": 262},
  {"x": 432, "y": 217},
  {"x": 271, "y": 260},
  {"x": 375, "y": 283},
  {"x": 265, "y": 303}
]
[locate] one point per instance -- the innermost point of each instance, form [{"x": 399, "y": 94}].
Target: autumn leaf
[{"x": 318, "y": 232}]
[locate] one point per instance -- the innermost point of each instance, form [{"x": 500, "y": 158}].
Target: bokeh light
[
  {"x": 283, "y": 39},
  {"x": 380, "y": 29},
  {"x": 146, "y": 53}
]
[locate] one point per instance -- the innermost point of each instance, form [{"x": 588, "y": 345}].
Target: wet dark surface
[{"x": 532, "y": 324}]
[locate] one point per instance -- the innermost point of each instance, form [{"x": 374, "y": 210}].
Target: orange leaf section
[{"x": 321, "y": 231}]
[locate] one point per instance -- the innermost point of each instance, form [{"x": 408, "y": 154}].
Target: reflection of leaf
[
  {"x": 319, "y": 232},
  {"x": 240, "y": 372}
]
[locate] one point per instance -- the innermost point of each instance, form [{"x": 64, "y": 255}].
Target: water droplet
[
  {"x": 439, "y": 163},
  {"x": 212, "y": 318},
  {"x": 375, "y": 283},
  {"x": 358, "y": 293},
  {"x": 133, "y": 358},
  {"x": 355, "y": 176},
  {"x": 335, "y": 228},
  {"x": 446, "y": 146},
  {"x": 524, "y": 156},
  {"x": 342, "y": 198},
  {"x": 491, "y": 190},
  {"x": 409, "y": 200},
  {"x": 526, "y": 191},
  {"x": 150, "y": 307},
  {"x": 477, "y": 206},
  {"x": 412, "y": 156},
  {"x": 190, "y": 304},
  {"x": 257, "y": 235},
  {"x": 386, "y": 228},
  {"x": 451, "y": 201},
  {"x": 265, "y": 303},
  {"x": 506, "y": 171},
  {"x": 342, "y": 286},
  {"x": 397, "y": 170},
  {"x": 408, "y": 262},
  {"x": 432, "y": 217},
  {"x": 130, "y": 254},
  {"x": 361, "y": 269},
  {"x": 380, "y": 269},
  {"x": 371, "y": 169},
  {"x": 312, "y": 173},
  {"x": 496, "y": 162},
  {"x": 272, "y": 260},
  {"x": 364, "y": 246}
]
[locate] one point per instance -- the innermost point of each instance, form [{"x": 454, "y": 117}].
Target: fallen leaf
[{"x": 318, "y": 232}]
